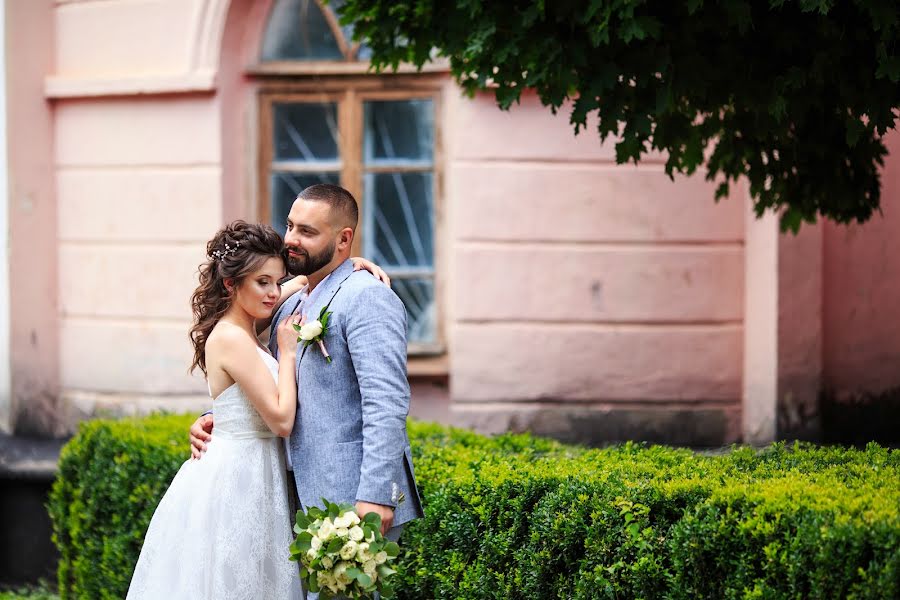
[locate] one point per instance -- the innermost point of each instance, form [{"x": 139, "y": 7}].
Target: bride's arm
[
  {"x": 377, "y": 272},
  {"x": 288, "y": 289},
  {"x": 276, "y": 402},
  {"x": 292, "y": 286}
]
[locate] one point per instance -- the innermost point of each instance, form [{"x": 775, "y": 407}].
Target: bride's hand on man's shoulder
[{"x": 377, "y": 272}]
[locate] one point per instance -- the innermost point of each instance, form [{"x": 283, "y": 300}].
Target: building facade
[{"x": 548, "y": 288}]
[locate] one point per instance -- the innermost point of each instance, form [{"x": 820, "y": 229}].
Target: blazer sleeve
[{"x": 376, "y": 339}]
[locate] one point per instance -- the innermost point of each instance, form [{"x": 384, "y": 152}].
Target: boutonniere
[{"x": 314, "y": 332}]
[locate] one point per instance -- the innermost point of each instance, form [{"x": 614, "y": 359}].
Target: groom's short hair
[{"x": 343, "y": 206}]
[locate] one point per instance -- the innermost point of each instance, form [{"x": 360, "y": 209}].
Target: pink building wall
[
  {"x": 800, "y": 329},
  {"x": 861, "y": 295},
  {"x": 33, "y": 270},
  {"x": 583, "y": 299},
  {"x": 138, "y": 166},
  {"x": 589, "y": 298}
]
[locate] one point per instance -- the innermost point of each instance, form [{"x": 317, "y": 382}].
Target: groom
[{"x": 349, "y": 443}]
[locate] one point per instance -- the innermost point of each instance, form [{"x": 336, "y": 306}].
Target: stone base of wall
[
  {"x": 27, "y": 469},
  {"x": 852, "y": 417},
  {"x": 705, "y": 425}
]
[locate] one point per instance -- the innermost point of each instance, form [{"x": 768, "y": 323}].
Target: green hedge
[
  {"x": 111, "y": 476},
  {"x": 520, "y": 517}
]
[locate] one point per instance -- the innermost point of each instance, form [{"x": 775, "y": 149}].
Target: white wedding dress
[{"x": 223, "y": 528}]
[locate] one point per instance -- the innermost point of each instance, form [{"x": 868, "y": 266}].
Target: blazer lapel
[{"x": 314, "y": 302}]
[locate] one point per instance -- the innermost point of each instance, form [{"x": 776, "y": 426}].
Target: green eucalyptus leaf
[
  {"x": 385, "y": 571},
  {"x": 392, "y": 549},
  {"x": 373, "y": 519},
  {"x": 301, "y": 520},
  {"x": 334, "y": 545}
]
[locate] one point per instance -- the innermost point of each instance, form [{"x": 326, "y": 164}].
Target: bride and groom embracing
[{"x": 223, "y": 528}]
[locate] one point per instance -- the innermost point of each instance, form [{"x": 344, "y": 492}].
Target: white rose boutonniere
[
  {"x": 310, "y": 331},
  {"x": 314, "y": 332}
]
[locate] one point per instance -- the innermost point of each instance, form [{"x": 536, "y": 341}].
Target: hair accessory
[{"x": 228, "y": 251}]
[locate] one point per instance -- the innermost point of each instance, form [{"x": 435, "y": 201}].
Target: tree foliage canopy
[{"x": 795, "y": 95}]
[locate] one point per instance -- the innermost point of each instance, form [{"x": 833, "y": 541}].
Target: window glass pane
[
  {"x": 399, "y": 226},
  {"x": 418, "y": 297},
  {"x": 399, "y": 131},
  {"x": 305, "y": 131},
  {"x": 297, "y": 30},
  {"x": 286, "y": 186},
  {"x": 364, "y": 52}
]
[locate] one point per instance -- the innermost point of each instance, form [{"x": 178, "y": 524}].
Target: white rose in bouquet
[
  {"x": 349, "y": 550},
  {"x": 362, "y": 553},
  {"x": 340, "y": 573},
  {"x": 369, "y": 567},
  {"x": 356, "y": 533},
  {"x": 326, "y": 529},
  {"x": 344, "y": 521}
]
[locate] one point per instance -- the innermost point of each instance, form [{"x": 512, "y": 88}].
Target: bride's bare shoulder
[{"x": 226, "y": 338}]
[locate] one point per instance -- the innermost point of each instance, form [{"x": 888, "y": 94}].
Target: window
[
  {"x": 373, "y": 134},
  {"x": 308, "y": 30}
]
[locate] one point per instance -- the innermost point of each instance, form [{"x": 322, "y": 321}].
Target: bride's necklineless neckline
[{"x": 255, "y": 339}]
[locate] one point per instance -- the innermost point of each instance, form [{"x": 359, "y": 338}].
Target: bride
[{"x": 233, "y": 542}]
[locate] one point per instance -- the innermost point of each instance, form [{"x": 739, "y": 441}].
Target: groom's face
[{"x": 310, "y": 237}]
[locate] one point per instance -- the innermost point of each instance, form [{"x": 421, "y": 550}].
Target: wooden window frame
[{"x": 349, "y": 93}]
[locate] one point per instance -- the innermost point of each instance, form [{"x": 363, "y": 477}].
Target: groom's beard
[{"x": 307, "y": 264}]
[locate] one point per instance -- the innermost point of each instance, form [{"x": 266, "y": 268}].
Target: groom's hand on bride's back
[{"x": 200, "y": 434}]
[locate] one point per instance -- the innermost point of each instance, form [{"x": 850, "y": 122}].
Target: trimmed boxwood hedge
[{"x": 522, "y": 517}]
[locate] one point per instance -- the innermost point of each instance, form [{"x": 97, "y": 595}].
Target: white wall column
[{"x": 760, "y": 386}]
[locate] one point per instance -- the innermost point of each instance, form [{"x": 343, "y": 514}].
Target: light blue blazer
[{"x": 349, "y": 441}]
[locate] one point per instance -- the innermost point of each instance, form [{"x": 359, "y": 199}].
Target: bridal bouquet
[{"x": 343, "y": 554}]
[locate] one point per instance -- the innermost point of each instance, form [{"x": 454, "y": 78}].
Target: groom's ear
[{"x": 345, "y": 238}]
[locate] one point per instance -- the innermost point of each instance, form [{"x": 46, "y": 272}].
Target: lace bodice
[{"x": 234, "y": 413}]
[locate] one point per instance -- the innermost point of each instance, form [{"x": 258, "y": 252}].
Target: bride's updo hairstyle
[{"x": 236, "y": 251}]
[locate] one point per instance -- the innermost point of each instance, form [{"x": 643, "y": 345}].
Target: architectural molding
[{"x": 94, "y": 87}]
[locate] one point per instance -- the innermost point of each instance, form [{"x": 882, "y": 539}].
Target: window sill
[
  {"x": 294, "y": 68},
  {"x": 427, "y": 366}
]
